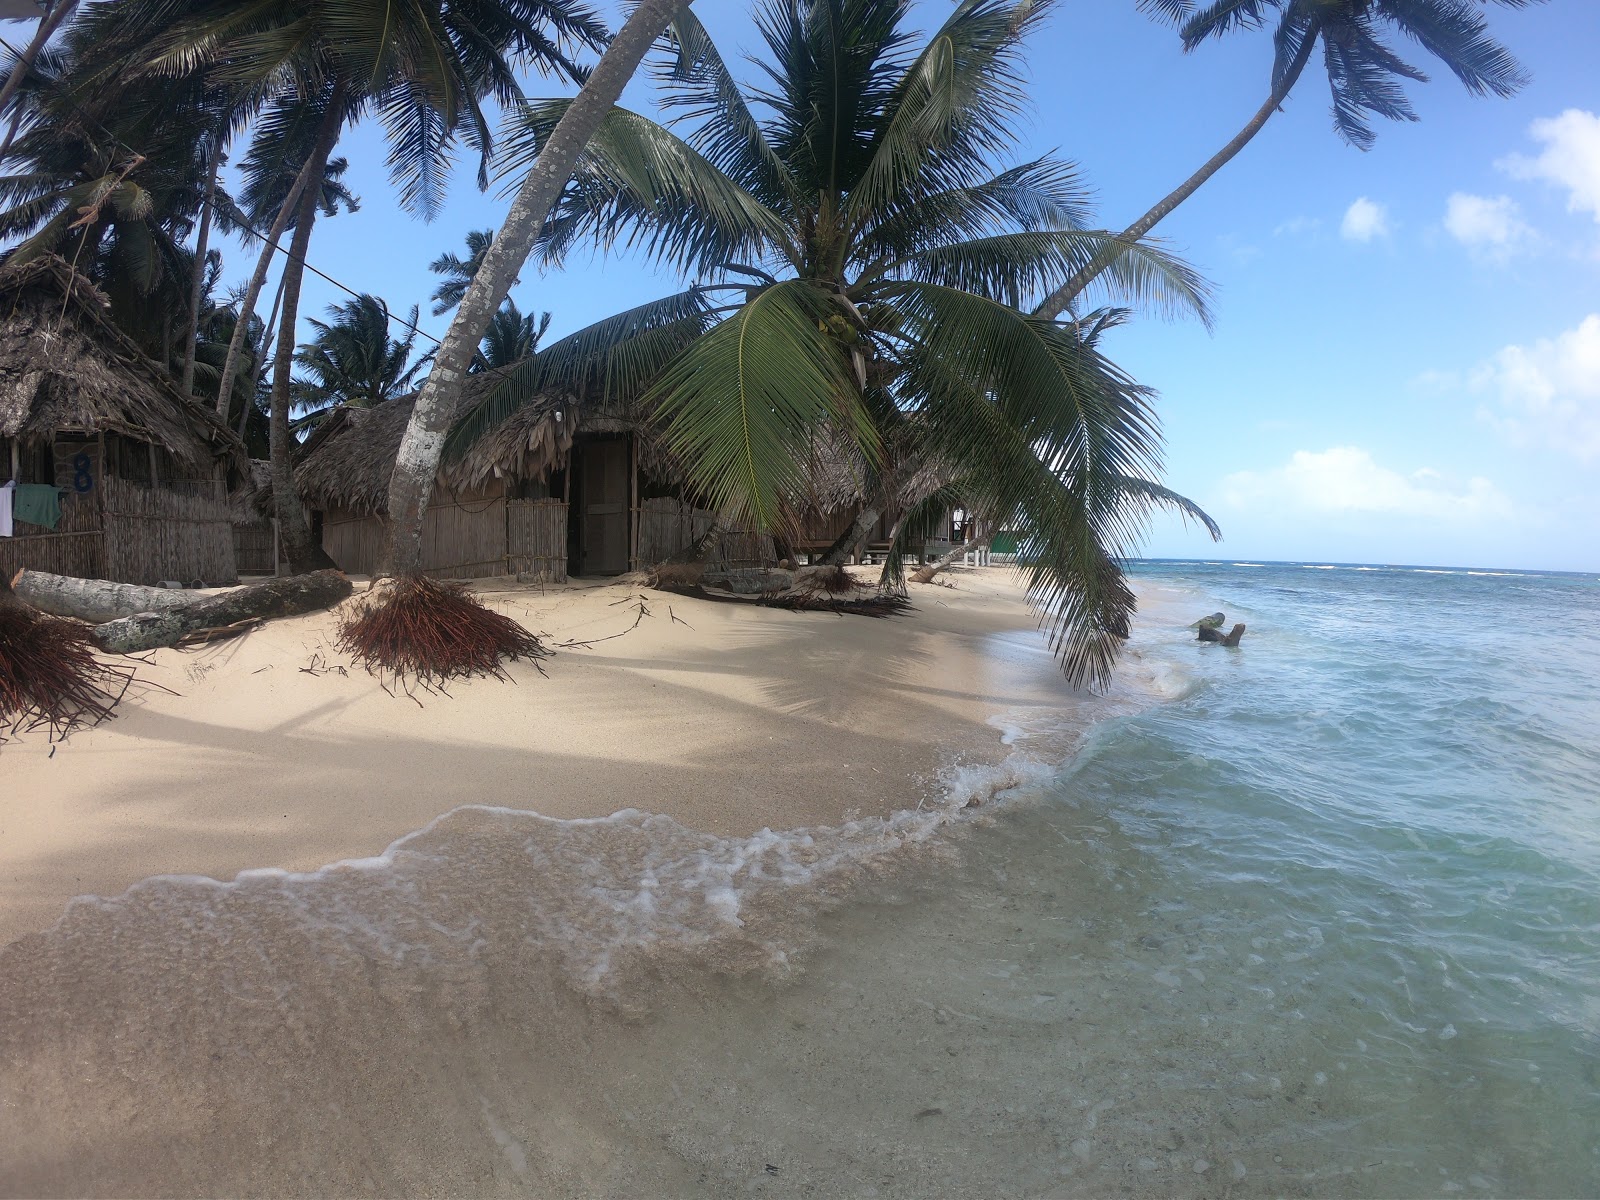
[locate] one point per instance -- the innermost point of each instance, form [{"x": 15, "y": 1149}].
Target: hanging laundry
[
  {"x": 38, "y": 504},
  {"x": 5, "y": 508}
]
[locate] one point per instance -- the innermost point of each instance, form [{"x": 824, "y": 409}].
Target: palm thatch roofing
[
  {"x": 348, "y": 461},
  {"x": 65, "y": 366}
]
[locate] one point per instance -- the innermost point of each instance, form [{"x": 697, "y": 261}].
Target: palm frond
[
  {"x": 642, "y": 185},
  {"x": 741, "y": 404},
  {"x": 1018, "y": 268},
  {"x": 957, "y": 102},
  {"x": 698, "y": 88}
]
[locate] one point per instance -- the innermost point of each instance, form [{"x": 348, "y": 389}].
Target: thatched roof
[
  {"x": 64, "y": 365},
  {"x": 347, "y": 462}
]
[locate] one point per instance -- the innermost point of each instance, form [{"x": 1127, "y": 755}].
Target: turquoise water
[
  {"x": 1316, "y": 916},
  {"x": 1326, "y": 924},
  {"x": 1398, "y": 773}
]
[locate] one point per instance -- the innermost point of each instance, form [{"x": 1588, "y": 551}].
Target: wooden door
[{"x": 603, "y": 486}]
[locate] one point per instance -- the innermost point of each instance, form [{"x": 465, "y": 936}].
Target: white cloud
[
  {"x": 1364, "y": 220},
  {"x": 1295, "y": 226},
  {"x": 1570, "y": 159},
  {"x": 1346, "y": 480},
  {"x": 1548, "y": 392},
  {"x": 1487, "y": 225}
]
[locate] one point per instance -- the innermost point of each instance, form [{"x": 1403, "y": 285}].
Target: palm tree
[
  {"x": 511, "y": 338},
  {"x": 114, "y": 184},
  {"x": 311, "y": 67},
  {"x": 1364, "y": 73},
  {"x": 458, "y": 272},
  {"x": 352, "y": 359},
  {"x": 867, "y": 252},
  {"x": 417, "y": 461}
]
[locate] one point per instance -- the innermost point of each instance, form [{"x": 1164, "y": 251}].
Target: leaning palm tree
[
  {"x": 352, "y": 360},
  {"x": 864, "y": 252},
  {"x": 1364, "y": 72}
]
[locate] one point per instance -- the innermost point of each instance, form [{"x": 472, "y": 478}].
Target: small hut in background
[
  {"x": 563, "y": 486},
  {"x": 142, "y": 469}
]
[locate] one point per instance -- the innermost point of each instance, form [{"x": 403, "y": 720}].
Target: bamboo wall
[
  {"x": 132, "y": 534},
  {"x": 463, "y": 537},
  {"x": 76, "y": 546},
  {"x": 536, "y": 536},
  {"x": 667, "y": 526},
  {"x": 253, "y": 545},
  {"x": 181, "y": 530}
]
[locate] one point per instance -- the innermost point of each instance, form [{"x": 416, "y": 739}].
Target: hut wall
[
  {"x": 463, "y": 537},
  {"x": 76, "y": 546},
  {"x": 182, "y": 530},
  {"x": 668, "y": 526},
  {"x": 536, "y": 535},
  {"x": 253, "y": 544}
]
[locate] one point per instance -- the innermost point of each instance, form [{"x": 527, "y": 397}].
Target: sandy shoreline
[{"x": 728, "y": 718}]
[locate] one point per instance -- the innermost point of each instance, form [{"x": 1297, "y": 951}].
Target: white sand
[{"x": 738, "y": 719}]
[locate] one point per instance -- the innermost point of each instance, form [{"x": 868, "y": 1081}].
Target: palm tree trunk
[
  {"x": 847, "y": 542},
  {"x": 197, "y": 283},
  {"x": 24, "y": 67},
  {"x": 252, "y": 293},
  {"x": 259, "y": 374},
  {"x": 417, "y": 463},
  {"x": 303, "y": 554},
  {"x": 1057, "y": 301},
  {"x": 926, "y": 572}
]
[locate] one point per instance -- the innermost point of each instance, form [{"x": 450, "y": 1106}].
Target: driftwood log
[
  {"x": 93, "y": 600},
  {"x": 287, "y": 597},
  {"x": 1213, "y": 633}
]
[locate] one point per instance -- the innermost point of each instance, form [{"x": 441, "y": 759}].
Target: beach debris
[
  {"x": 828, "y": 588},
  {"x": 424, "y": 631},
  {"x": 50, "y": 677},
  {"x": 1210, "y": 630},
  {"x": 642, "y": 611},
  {"x": 226, "y": 614}
]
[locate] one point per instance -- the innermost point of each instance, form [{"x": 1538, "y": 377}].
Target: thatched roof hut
[
  {"x": 348, "y": 461},
  {"x": 65, "y": 366}
]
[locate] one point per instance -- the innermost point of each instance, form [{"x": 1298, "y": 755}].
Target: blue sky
[{"x": 1406, "y": 360}]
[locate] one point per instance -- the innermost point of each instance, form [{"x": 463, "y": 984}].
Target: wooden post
[{"x": 633, "y": 502}]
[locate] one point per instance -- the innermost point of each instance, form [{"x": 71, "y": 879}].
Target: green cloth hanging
[{"x": 37, "y": 504}]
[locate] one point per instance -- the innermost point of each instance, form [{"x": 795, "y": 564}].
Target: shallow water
[{"x": 1323, "y": 923}]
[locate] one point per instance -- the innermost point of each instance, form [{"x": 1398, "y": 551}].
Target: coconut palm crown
[
  {"x": 1365, "y": 73},
  {"x": 352, "y": 359},
  {"x": 861, "y": 254}
]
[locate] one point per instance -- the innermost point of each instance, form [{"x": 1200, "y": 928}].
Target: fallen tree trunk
[
  {"x": 926, "y": 572},
  {"x": 93, "y": 600},
  {"x": 286, "y": 597}
]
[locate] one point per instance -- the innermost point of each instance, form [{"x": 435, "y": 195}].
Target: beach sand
[
  {"x": 270, "y": 751},
  {"x": 508, "y": 1000}
]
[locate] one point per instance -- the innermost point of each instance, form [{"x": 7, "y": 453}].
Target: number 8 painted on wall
[{"x": 82, "y": 479}]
